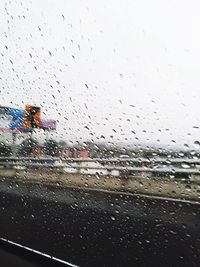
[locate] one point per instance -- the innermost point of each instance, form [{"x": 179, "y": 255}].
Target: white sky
[{"x": 125, "y": 69}]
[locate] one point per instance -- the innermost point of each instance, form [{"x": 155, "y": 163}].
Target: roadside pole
[{"x": 14, "y": 147}]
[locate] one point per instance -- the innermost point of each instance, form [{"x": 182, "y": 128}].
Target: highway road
[{"x": 96, "y": 228}]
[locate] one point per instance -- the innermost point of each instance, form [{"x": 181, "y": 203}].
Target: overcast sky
[{"x": 128, "y": 71}]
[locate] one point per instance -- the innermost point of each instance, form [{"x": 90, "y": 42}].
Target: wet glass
[{"x": 99, "y": 120}]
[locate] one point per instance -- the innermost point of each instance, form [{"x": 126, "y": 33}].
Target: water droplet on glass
[
  {"x": 197, "y": 145},
  {"x": 185, "y": 165}
]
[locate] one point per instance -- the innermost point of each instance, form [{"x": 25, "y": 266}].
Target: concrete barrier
[
  {"x": 7, "y": 172},
  {"x": 165, "y": 187}
]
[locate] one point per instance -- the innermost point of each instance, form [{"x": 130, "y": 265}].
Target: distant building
[
  {"x": 84, "y": 154},
  {"x": 38, "y": 151},
  {"x": 66, "y": 152}
]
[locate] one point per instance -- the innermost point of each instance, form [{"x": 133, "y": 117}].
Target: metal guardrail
[
  {"x": 103, "y": 165},
  {"x": 139, "y": 159}
]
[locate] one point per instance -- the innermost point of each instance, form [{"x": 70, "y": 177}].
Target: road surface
[{"x": 96, "y": 228}]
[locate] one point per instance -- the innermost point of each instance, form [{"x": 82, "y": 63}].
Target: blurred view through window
[{"x": 100, "y": 95}]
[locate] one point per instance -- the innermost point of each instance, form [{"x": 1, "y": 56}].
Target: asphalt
[{"x": 99, "y": 228}]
